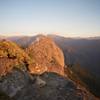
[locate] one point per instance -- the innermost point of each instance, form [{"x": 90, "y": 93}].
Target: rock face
[
  {"x": 11, "y": 56},
  {"x": 47, "y": 55},
  {"x": 19, "y": 85},
  {"x": 13, "y": 82}
]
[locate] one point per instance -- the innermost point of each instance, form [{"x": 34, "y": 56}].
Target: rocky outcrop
[
  {"x": 20, "y": 85},
  {"x": 13, "y": 82},
  {"x": 47, "y": 55}
]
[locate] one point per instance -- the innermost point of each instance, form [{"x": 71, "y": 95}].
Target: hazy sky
[{"x": 67, "y": 17}]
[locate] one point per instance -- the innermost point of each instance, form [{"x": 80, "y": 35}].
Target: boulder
[{"x": 47, "y": 56}]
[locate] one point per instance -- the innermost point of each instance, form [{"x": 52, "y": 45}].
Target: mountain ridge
[{"x": 20, "y": 81}]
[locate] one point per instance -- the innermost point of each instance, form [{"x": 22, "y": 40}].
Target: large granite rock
[{"x": 47, "y": 56}]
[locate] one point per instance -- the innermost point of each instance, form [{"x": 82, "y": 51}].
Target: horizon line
[{"x": 45, "y": 34}]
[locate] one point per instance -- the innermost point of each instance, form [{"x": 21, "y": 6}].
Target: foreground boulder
[
  {"x": 47, "y": 55},
  {"x": 13, "y": 82},
  {"x": 19, "y": 85}
]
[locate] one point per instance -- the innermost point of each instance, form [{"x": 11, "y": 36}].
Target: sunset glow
[{"x": 70, "y": 18}]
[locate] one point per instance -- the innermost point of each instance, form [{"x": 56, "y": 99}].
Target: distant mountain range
[{"x": 86, "y": 52}]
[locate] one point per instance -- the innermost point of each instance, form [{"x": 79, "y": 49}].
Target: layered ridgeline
[{"x": 36, "y": 73}]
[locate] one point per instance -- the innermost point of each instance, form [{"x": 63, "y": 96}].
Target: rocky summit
[{"x": 47, "y": 55}]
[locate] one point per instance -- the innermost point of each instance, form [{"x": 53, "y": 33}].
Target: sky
[{"x": 72, "y": 18}]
